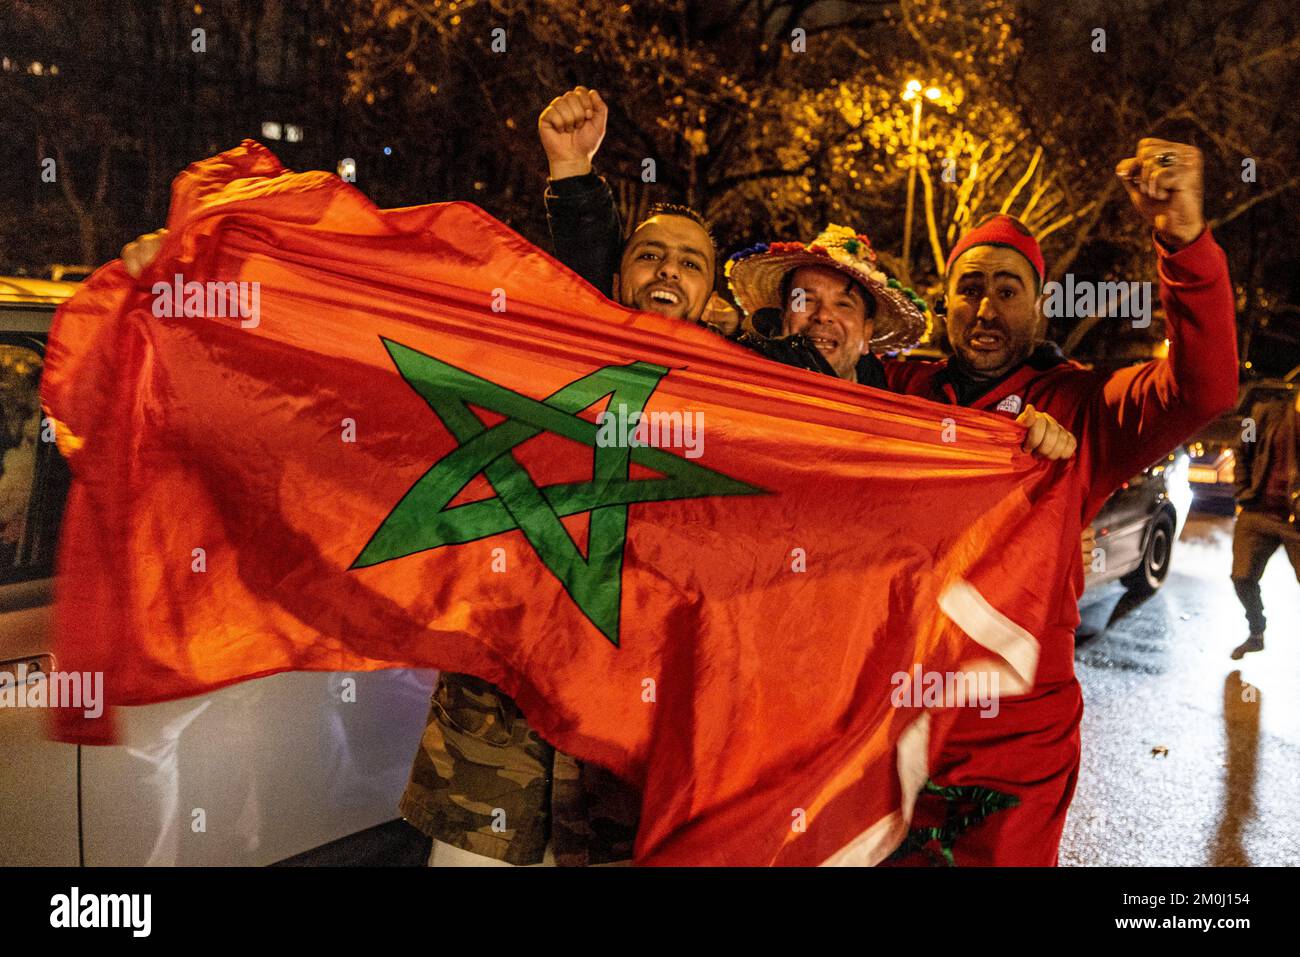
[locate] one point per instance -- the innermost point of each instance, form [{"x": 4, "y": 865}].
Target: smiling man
[
  {"x": 484, "y": 785},
  {"x": 836, "y": 304},
  {"x": 836, "y": 315},
  {"x": 667, "y": 265}
]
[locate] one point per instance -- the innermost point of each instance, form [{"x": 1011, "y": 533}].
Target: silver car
[
  {"x": 1132, "y": 538},
  {"x": 253, "y": 774}
]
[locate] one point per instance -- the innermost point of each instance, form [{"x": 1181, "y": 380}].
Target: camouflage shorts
[{"x": 484, "y": 781}]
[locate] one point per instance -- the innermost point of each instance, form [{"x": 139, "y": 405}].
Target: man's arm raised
[
  {"x": 586, "y": 232},
  {"x": 1145, "y": 411}
]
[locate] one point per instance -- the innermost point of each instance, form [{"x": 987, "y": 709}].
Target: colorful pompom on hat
[{"x": 755, "y": 275}]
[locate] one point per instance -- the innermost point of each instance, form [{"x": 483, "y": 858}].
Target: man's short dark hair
[
  {"x": 869, "y": 301},
  {"x": 675, "y": 209}
]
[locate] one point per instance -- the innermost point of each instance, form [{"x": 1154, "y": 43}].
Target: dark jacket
[
  {"x": 1275, "y": 418},
  {"x": 586, "y": 232},
  {"x": 798, "y": 351}
]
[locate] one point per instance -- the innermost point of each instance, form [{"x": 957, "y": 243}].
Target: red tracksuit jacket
[{"x": 1124, "y": 422}]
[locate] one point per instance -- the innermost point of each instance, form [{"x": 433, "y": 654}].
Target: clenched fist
[
  {"x": 572, "y": 127},
  {"x": 1164, "y": 182}
]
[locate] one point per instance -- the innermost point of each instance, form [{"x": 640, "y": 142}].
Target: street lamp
[{"x": 913, "y": 92}]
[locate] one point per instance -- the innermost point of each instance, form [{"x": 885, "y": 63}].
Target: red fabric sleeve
[{"x": 1144, "y": 411}]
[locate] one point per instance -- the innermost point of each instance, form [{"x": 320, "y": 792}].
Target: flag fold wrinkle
[{"x": 415, "y": 440}]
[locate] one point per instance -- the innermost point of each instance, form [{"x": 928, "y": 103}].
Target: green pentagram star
[{"x": 422, "y": 520}]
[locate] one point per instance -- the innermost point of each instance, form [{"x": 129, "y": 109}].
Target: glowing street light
[{"x": 914, "y": 91}]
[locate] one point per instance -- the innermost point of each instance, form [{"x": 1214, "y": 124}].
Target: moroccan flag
[{"x": 318, "y": 435}]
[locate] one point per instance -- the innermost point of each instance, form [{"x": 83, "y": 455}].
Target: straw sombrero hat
[{"x": 755, "y": 275}]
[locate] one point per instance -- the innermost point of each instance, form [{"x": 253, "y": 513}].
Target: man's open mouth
[
  {"x": 666, "y": 296},
  {"x": 823, "y": 343},
  {"x": 986, "y": 341}
]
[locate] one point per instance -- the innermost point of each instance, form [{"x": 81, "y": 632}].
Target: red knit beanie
[{"x": 1002, "y": 230}]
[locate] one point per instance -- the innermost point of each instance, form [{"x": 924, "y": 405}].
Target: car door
[
  {"x": 38, "y": 777},
  {"x": 256, "y": 772},
  {"x": 1121, "y": 525}
]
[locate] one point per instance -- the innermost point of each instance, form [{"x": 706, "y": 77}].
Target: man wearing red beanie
[{"x": 1014, "y": 775}]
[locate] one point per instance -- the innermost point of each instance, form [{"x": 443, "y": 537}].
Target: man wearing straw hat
[
  {"x": 1001, "y": 786},
  {"x": 838, "y": 309}
]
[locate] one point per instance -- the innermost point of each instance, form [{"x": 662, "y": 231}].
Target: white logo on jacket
[{"x": 1010, "y": 404}]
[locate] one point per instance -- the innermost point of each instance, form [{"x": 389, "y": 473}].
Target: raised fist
[
  {"x": 571, "y": 128},
  {"x": 1164, "y": 182}
]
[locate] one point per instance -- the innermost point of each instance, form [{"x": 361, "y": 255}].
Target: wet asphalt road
[{"x": 1189, "y": 757}]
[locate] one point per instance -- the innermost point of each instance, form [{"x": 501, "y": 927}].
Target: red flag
[{"x": 318, "y": 435}]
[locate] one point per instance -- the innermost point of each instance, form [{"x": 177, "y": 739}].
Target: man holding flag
[
  {"x": 478, "y": 741},
  {"x": 1014, "y": 774},
  {"x": 699, "y": 628},
  {"x": 1124, "y": 422},
  {"x": 485, "y": 787}
]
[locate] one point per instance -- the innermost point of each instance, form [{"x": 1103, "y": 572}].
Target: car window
[{"x": 33, "y": 476}]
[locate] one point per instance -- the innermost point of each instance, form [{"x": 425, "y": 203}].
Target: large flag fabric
[{"x": 318, "y": 435}]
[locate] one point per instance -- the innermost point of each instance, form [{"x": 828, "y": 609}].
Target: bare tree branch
[{"x": 1244, "y": 206}]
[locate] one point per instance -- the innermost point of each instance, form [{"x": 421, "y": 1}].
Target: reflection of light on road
[{"x": 1189, "y": 758}]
